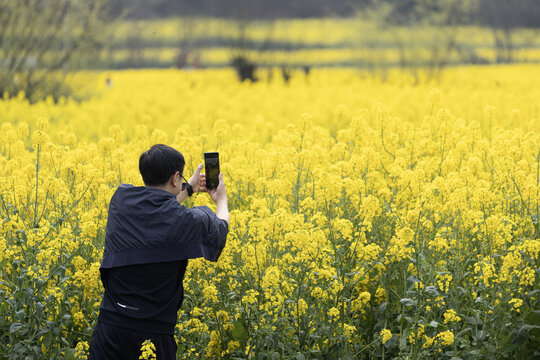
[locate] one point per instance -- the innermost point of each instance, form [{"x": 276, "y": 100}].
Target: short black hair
[{"x": 159, "y": 163}]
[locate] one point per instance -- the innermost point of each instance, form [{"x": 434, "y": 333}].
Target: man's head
[{"x": 159, "y": 163}]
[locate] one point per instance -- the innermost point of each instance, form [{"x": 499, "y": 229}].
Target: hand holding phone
[
  {"x": 211, "y": 162},
  {"x": 215, "y": 185},
  {"x": 218, "y": 194}
]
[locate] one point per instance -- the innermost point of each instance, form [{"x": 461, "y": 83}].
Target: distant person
[
  {"x": 181, "y": 59},
  {"x": 108, "y": 82},
  {"x": 197, "y": 61},
  {"x": 149, "y": 238}
]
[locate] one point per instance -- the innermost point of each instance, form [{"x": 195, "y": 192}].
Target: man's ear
[{"x": 172, "y": 180}]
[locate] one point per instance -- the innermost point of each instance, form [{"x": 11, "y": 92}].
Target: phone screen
[{"x": 211, "y": 162}]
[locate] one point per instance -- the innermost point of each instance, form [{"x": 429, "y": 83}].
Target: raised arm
[{"x": 219, "y": 195}]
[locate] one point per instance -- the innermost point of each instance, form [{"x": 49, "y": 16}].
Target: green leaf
[
  {"x": 534, "y": 317},
  {"x": 479, "y": 336},
  {"x": 39, "y": 309},
  {"x": 408, "y": 302},
  {"x": 472, "y": 321},
  {"x": 403, "y": 340},
  {"x": 392, "y": 342},
  {"x": 490, "y": 347},
  {"x": 463, "y": 332},
  {"x": 239, "y": 332},
  {"x": 462, "y": 290},
  {"x": 521, "y": 334},
  {"x": 15, "y": 327},
  {"x": 42, "y": 332},
  {"x": 479, "y": 300},
  {"x": 432, "y": 290},
  {"x": 65, "y": 319}
]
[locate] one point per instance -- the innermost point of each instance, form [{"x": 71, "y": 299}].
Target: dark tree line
[
  {"x": 256, "y": 9},
  {"x": 501, "y": 17},
  {"x": 505, "y": 16},
  {"x": 494, "y": 13},
  {"x": 502, "y": 14}
]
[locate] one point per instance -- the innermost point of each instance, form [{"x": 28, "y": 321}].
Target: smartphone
[{"x": 211, "y": 164}]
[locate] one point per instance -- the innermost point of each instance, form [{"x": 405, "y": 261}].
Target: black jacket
[
  {"x": 149, "y": 238},
  {"x": 148, "y": 225}
]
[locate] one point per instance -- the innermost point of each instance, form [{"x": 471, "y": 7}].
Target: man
[{"x": 149, "y": 238}]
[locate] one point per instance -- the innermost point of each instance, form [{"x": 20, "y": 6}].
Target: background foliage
[{"x": 42, "y": 42}]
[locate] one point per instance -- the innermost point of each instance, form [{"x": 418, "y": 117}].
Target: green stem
[{"x": 37, "y": 186}]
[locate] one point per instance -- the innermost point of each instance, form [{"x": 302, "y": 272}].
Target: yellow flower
[
  {"x": 451, "y": 316},
  {"x": 213, "y": 348},
  {"x": 39, "y": 137},
  {"x": 210, "y": 293},
  {"x": 428, "y": 341},
  {"x": 81, "y": 350},
  {"x": 446, "y": 338},
  {"x": 349, "y": 330},
  {"x": 443, "y": 281},
  {"x": 385, "y": 335},
  {"x": 148, "y": 350},
  {"x": 333, "y": 313},
  {"x": 196, "y": 311},
  {"x": 42, "y": 124},
  {"x": 302, "y": 307},
  {"x": 317, "y": 293},
  {"x": 222, "y": 316},
  {"x": 516, "y": 304},
  {"x": 271, "y": 277},
  {"x": 250, "y": 297},
  {"x": 78, "y": 317},
  {"x": 232, "y": 346}
]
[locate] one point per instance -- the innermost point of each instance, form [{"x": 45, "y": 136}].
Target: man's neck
[{"x": 167, "y": 188}]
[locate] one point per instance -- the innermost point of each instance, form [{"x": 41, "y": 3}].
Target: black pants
[{"x": 115, "y": 343}]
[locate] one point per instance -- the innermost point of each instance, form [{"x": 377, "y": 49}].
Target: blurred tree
[
  {"x": 246, "y": 49},
  {"x": 437, "y": 20},
  {"x": 504, "y": 17},
  {"x": 41, "y": 40},
  {"x": 238, "y": 31},
  {"x": 139, "y": 9},
  {"x": 188, "y": 28}
]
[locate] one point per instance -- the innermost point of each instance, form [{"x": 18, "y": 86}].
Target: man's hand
[
  {"x": 198, "y": 180},
  {"x": 218, "y": 193}
]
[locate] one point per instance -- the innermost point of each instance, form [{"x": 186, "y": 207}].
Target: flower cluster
[{"x": 148, "y": 350}]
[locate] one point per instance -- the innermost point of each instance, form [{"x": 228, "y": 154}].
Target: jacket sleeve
[{"x": 213, "y": 232}]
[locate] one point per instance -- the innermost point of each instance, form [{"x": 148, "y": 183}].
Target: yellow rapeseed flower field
[{"x": 369, "y": 218}]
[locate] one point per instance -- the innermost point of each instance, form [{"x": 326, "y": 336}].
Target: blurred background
[{"x": 43, "y": 41}]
